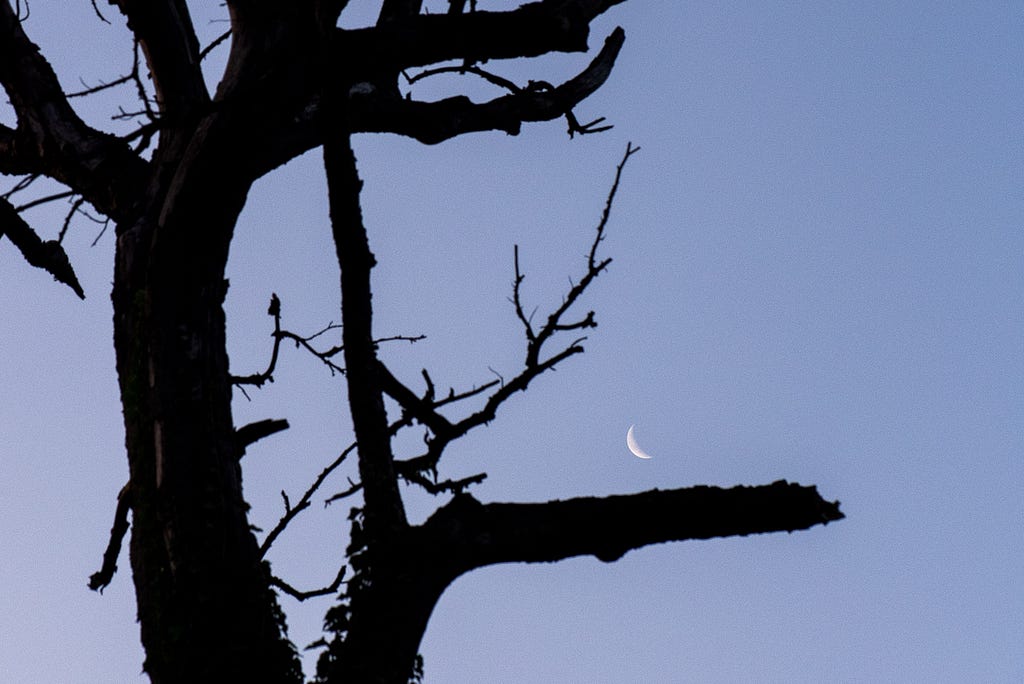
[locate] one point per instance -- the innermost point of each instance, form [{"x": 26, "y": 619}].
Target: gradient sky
[{"x": 817, "y": 276}]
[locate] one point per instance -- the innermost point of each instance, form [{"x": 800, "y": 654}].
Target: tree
[{"x": 174, "y": 188}]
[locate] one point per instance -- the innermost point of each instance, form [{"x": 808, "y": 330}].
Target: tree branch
[
  {"x": 51, "y": 138},
  {"x": 377, "y": 111},
  {"x": 413, "y": 406},
  {"x": 363, "y": 65},
  {"x": 165, "y": 32},
  {"x": 607, "y": 528},
  {"x": 594, "y": 268},
  {"x": 291, "y": 511},
  {"x": 101, "y": 579},
  {"x": 253, "y": 432},
  {"x": 446, "y": 431},
  {"x": 385, "y": 513},
  {"x": 313, "y": 593},
  {"x": 48, "y": 255},
  {"x": 531, "y": 30}
]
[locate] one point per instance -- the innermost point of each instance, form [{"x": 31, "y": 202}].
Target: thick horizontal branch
[
  {"x": 531, "y": 30},
  {"x": 484, "y": 534},
  {"x": 364, "y": 65},
  {"x": 374, "y": 111}
]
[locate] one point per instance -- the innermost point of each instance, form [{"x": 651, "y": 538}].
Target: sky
[{"x": 817, "y": 276}]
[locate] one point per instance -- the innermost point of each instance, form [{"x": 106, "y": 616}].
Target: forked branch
[
  {"x": 331, "y": 588},
  {"x": 291, "y": 511},
  {"x": 445, "y": 431},
  {"x": 326, "y": 356},
  {"x": 595, "y": 267}
]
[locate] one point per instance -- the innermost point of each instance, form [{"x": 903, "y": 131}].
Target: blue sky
[{"x": 817, "y": 276}]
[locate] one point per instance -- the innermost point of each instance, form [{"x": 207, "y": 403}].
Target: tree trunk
[
  {"x": 390, "y": 599},
  {"x": 204, "y": 603},
  {"x": 388, "y": 617}
]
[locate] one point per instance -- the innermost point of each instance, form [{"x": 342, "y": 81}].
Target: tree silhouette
[{"x": 174, "y": 187}]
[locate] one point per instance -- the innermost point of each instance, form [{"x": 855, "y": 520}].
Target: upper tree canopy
[{"x": 284, "y": 62}]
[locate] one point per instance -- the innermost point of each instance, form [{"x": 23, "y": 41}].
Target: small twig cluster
[
  {"x": 326, "y": 356},
  {"x": 147, "y": 130},
  {"x": 422, "y": 470}
]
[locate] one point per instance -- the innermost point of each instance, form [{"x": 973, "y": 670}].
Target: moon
[{"x": 633, "y": 446}]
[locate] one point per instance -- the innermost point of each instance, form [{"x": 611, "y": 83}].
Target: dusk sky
[{"x": 818, "y": 275}]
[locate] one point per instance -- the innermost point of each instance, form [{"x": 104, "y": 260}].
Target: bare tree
[{"x": 174, "y": 187}]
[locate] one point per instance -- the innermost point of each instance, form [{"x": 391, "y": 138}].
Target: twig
[
  {"x": 98, "y": 13},
  {"x": 303, "y": 595},
  {"x": 43, "y": 200},
  {"x": 258, "y": 379},
  {"x": 67, "y": 218},
  {"x": 216, "y": 41},
  {"x": 91, "y": 90},
  {"x": 465, "y": 69},
  {"x": 304, "y": 502},
  {"x": 516, "y": 297},
  {"x": 344, "y": 494},
  {"x": 103, "y": 230},
  {"x": 575, "y": 127},
  {"x": 21, "y": 185}
]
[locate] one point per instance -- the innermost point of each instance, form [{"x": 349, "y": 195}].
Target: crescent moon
[{"x": 633, "y": 446}]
